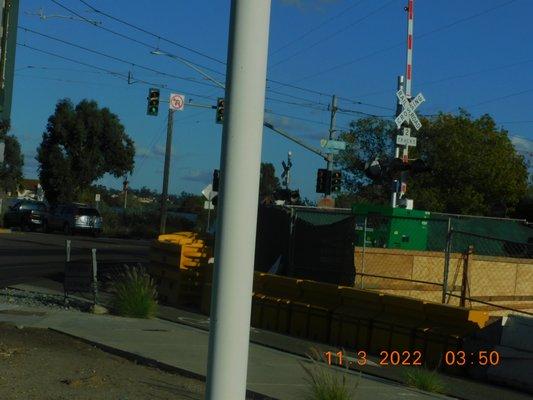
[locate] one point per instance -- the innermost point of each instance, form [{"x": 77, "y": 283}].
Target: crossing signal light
[
  {"x": 216, "y": 180},
  {"x": 323, "y": 181},
  {"x": 220, "y": 111},
  {"x": 374, "y": 170},
  {"x": 336, "y": 179},
  {"x": 153, "y": 101}
]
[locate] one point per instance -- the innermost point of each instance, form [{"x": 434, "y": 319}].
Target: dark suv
[
  {"x": 74, "y": 218},
  {"x": 26, "y": 214}
]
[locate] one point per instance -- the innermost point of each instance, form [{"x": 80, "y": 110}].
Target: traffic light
[
  {"x": 216, "y": 180},
  {"x": 336, "y": 179},
  {"x": 153, "y": 101},
  {"x": 323, "y": 181},
  {"x": 220, "y": 111}
]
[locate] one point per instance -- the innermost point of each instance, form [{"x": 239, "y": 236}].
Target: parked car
[
  {"x": 74, "y": 218},
  {"x": 26, "y": 215}
]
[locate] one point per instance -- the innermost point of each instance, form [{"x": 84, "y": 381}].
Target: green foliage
[
  {"x": 424, "y": 379},
  {"x": 79, "y": 146},
  {"x": 135, "y": 294},
  {"x": 475, "y": 168},
  {"x": 269, "y": 182},
  {"x": 11, "y": 168}
]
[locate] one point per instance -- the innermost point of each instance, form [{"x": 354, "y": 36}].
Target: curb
[{"x": 150, "y": 362}]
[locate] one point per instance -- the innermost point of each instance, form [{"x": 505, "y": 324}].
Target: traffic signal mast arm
[{"x": 296, "y": 140}]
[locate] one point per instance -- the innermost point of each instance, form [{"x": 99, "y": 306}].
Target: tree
[
  {"x": 368, "y": 139},
  {"x": 79, "y": 146},
  {"x": 269, "y": 182},
  {"x": 474, "y": 167},
  {"x": 11, "y": 168}
]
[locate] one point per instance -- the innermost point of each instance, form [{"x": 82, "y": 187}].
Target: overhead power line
[
  {"x": 176, "y": 56},
  {"x": 118, "y": 59},
  {"x": 158, "y": 37},
  {"x": 317, "y": 27},
  {"x": 332, "y": 35},
  {"x": 390, "y": 47},
  {"x": 117, "y": 74}
]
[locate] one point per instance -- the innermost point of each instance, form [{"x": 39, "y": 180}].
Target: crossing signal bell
[
  {"x": 153, "y": 101},
  {"x": 219, "y": 119}
]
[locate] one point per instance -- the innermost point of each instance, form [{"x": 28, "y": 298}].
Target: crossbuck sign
[{"x": 409, "y": 106}]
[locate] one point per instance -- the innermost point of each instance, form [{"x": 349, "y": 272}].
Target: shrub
[
  {"x": 326, "y": 384},
  {"x": 424, "y": 379},
  {"x": 135, "y": 293}
]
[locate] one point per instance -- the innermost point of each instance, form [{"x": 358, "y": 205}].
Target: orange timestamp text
[{"x": 386, "y": 358}]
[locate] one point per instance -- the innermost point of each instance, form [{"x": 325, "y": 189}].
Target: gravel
[{"x": 32, "y": 299}]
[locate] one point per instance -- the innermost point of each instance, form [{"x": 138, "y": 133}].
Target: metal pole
[
  {"x": 394, "y": 195},
  {"x": 67, "y": 246},
  {"x": 288, "y": 177},
  {"x": 329, "y": 163},
  {"x": 239, "y": 189},
  {"x": 409, "y": 66},
  {"x": 164, "y": 194},
  {"x": 363, "y": 253},
  {"x": 95, "y": 274},
  {"x": 447, "y": 250},
  {"x": 209, "y": 213}
]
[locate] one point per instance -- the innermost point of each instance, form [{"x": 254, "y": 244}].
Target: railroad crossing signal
[
  {"x": 409, "y": 106},
  {"x": 219, "y": 119},
  {"x": 153, "y": 101}
]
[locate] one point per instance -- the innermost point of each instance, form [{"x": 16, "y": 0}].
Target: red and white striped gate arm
[{"x": 409, "y": 70}]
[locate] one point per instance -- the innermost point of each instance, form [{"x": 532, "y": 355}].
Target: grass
[
  {"x": 135, "y": 293},
  {"x": 424, "y": 379},
  {"x": 325, "y": 384}
]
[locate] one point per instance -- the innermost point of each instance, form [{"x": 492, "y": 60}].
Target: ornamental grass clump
[{"x": 135, "y": 293}]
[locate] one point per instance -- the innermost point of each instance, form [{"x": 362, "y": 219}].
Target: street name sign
[{"x": 333, "y": 144}]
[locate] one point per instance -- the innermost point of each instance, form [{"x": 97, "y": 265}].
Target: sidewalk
[
  {"x": 295, "y": 349},
  {"x": 184, "y": 349}
]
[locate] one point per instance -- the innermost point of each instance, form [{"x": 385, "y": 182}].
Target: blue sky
[{"x": 476, "y": 54}]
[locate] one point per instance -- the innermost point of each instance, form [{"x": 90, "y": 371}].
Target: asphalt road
[{"x": 25, "y": 256}]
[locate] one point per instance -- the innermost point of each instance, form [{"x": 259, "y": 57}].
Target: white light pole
[{"x": 239, "y": 189}]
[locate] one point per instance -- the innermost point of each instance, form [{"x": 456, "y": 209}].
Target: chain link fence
[
  {"x": 494, "y": 275},
  {"x": 475, "y": 262}
]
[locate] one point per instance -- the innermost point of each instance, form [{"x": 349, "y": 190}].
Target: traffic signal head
[
  {"x": 336, "y": 180},
  {"x": 220, "y": 111},
  {"x": 153, "y": 101},
  {"x": 323, "y": 181},
  {"x": 216, "y": 180}
]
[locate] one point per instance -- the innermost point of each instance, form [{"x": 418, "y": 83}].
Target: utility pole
[
  {"x": 164, "y": 194},
  {"x": 333, "y": 109},
  {"x": 231, "y": 302}
]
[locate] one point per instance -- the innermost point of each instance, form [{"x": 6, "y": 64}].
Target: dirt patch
[{"x": 38, "y": 364}]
